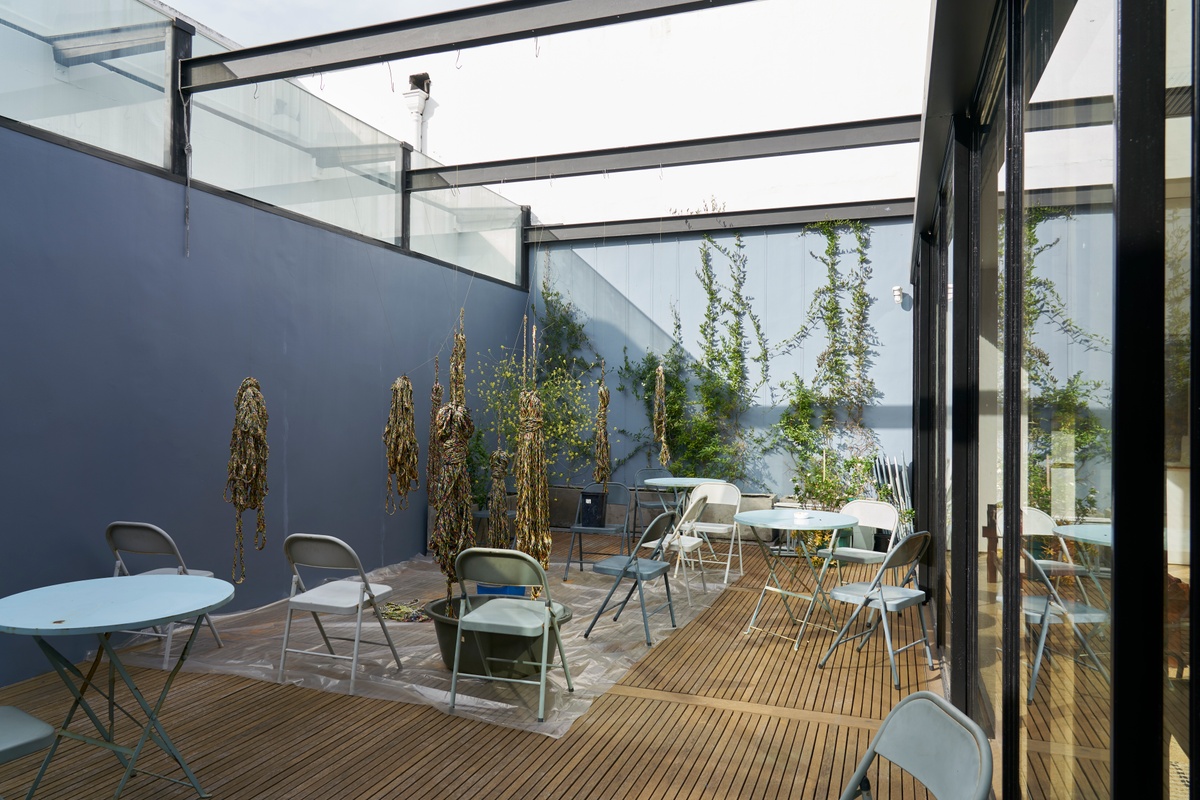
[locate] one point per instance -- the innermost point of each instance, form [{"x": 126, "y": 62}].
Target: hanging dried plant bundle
[
  {"x": 498, "y": 535},
  {"x": 452, "y": 525},
  {"x": 660, "y": 415},
  {"x": 433, "y": 458},
  {"x": 246, "y": 486},
  {"x": 603, "y": 471},
  {"x": 400, "y": 446},
  {"x": 533, "y": 485}
]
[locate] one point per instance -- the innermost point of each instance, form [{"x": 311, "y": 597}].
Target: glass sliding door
[{"x": 1065, "y": 402}]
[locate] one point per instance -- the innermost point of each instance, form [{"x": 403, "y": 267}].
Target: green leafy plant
[
  {"x": 822, "y": 428},
  {"x": 564, "y": 364},
  {"x": 707, "y": 399}
]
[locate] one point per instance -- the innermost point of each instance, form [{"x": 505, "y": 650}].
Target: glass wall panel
[
  {"x": 945, "y": 342},
  {"x": 94, "y": 72},
  {"x": 1177, "y": 460},
  {"x": 1065, "y": 402},
  {"x": 471, "y": 227}
]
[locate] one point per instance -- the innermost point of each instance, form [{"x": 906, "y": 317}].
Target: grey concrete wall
[
  {"x": 120, "y": 358},
  {"x": 625, "y": 291}
]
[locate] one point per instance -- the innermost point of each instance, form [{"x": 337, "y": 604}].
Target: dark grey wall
[{"x": 120, "y": 358}]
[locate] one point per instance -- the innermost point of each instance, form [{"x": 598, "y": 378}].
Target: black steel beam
[
  {"x": 724, "y": 221},
  {"x": 436, "y": 33},
  {"x": 815, "y": 139}
]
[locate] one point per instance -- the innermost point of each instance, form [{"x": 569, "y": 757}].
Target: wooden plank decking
[{"x": 707, "y": 712}]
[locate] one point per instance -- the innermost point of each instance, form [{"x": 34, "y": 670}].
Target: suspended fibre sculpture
[
  {"x": 433, "y": 457},
  {"x": 400, "y": 446},
  {"x": 246, "y": 486},
  {"x": 452, "y": 529},
  {"x": 533, "y": 485},
  {"x": 660, "y": 415},
  {"x": 603, "y": 470},
  {"x": 498, "y": 535}
]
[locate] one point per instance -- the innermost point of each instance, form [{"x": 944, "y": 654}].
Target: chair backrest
[
  {"x": 1036, "y": 522},
  {"x": 141, "y": 538},
  {"x": 906, "y": 554},
  {"x": 317, "y": 550},
  {"x": 937, "y": 744},
  {"x": 719, "y": 494},
  {"x": 615, "y": 494},
  {"x": 500, "y": 566},
  {"x": 639, "y": 477},
  {"x": 695, "y": 508},
  {"x": 873, "y": 514},
  {"x": 659, "y": 528}
]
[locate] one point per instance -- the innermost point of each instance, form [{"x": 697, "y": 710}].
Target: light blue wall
[
  {"x": 626, "y": 289},
  {"x": 121, "y": 357}
]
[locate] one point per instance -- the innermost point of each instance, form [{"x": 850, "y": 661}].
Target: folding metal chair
[
  {"x": 349, "y": 597},
  {"x": 887, "y": 599},
  {"x": 146, "y": 544},
  {"x": 511, "y": 616},
  {"x": 22, "y": 734},
  {"x": 934, "y": 742},
  {"x": 642, "y": 569},
  {"x": 597, "y": 497}
]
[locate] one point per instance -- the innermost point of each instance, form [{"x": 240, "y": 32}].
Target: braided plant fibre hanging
[
  {"x": 433, "y": 458},
  {"x": 498, "y": 530},
  {"x": 603, "y": 471},
  {"x": 452, "y": 525},
  {"x": 400, "y": 446},
  {"x": 533, "y": 484},
  {"x": 246, "y": 486},
  {"x": 660, "y": 415}
]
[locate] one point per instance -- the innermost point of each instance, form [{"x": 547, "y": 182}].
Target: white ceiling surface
[{"x": 756, "y": 66}]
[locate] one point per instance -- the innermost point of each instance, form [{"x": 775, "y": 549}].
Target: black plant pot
[{"x": 499, "y": 645}]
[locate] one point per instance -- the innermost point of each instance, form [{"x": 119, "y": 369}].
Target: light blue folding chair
[
  {"x": 509, "y": 616},
  {"x": 21, "y": 734},
  {"x": 934, "y": 742}
]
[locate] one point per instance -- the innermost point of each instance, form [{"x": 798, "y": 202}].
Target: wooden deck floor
[{"x": 708, "y": 712}]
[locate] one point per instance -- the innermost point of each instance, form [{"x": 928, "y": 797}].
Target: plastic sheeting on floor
[{"x": 253, "y": 641}]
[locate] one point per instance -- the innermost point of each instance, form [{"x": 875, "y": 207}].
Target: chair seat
[
  {"x": 612, "y": 529},
  {"x": 511, "y": 616},
  {"x": 682, "y": 542},
  {"x": 1034, "y": 608},
  {"x": 202, "y": 573},
  {"x": 712, "y": 527},
  {"x": 336, "y": 597},
  {"x": 21, "y": 734},
  {"x": 1058, "y": 569},
  {"x": 852, "y": 555},
  {"x": 644, "y": 568},
  {"x": 896, "y": 597}
]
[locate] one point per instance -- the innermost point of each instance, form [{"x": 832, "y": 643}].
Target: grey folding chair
[
  {"x": 1043, "y": 610},
  {"x": 511, "y": 616},
  {"x": 603, "y": 496},
  {"x": 934, "y": 742},
  {"x": 887, "y": 599},
  {"x": 648, "y": 498},
  {"x": 22, "y": 734},
  {"x": 139, "y": 544},
  {"x": 642, "y": 569},
  {"x": 349, "y": 597}
]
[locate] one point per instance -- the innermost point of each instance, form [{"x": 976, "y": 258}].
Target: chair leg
[
  {"x": 838, "y": 639},
  {"x": 671, "y": 605},
  {"x": 458, "y": 637},
  {"x": 887, "y": 638},
  {"x": 1037, "y": 659},
  {"x": 357, "y": 640},
  {"x": 387, "y": 635},
  {"x": 287, "y": 631},
  {"x": 562, "y": 656},
  {"x": 642, "y": 600},
  {"x": 603, "y": 606},
  {"x": 167, "y": 645},
  {"x": 547, "y": 632}
]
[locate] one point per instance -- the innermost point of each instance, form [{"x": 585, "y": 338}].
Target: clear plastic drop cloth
[{"x": 253, "y": 642}]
